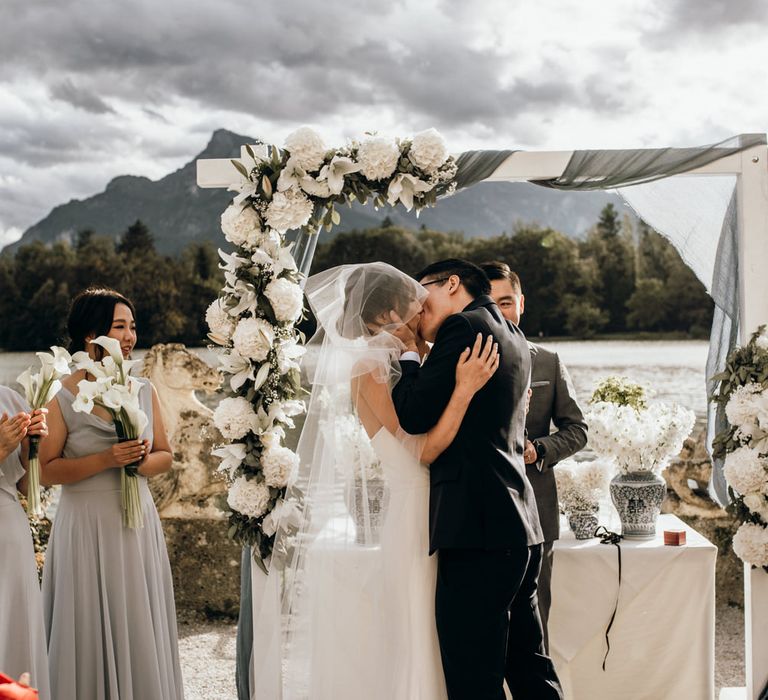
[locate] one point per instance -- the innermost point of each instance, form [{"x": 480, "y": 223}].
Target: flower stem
[{"x": 33, "y": 478}]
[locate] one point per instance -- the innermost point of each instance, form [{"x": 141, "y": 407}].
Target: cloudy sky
[{"x": 91, "y": 89}]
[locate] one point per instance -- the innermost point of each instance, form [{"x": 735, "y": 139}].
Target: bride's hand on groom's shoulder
[{"x": 477, "y": 365}]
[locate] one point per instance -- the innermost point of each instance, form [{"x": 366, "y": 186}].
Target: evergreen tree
[{"x": 137, "y": 240}]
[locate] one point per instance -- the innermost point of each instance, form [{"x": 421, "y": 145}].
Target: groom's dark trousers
[{"x": 484, "y": 524}]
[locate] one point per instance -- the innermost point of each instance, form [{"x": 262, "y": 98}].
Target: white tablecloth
[{"x": 663, "y": 638}]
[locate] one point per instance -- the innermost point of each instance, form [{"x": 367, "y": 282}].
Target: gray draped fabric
[
  {"x": 600, "y": 170},
  {"x": 244, "y": 644},
  {"x": 724, "y": 335},
  {"x": 475, "y": 166}
]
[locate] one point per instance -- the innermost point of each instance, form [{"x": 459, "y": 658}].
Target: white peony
[
  {"x": 278, "y": 463},
  {"x": 286, "y": 299},
  {"x": 757, "y": 504},
  {"x": 428, "y": 150},
  {"x": 750, "y": 544},
  {"x": 378, "y": 158},
  {"x": 288, "y": 210},
  {"x": 746, "y": 471},
  {"x": 220, "y": 322},
  {"x": 241, "y": 225},
  {"x": 306, "y": 148},
  {"x": 249, "y": 497},
  {"x": 235, "y": 417},
  {"x": 253, "y": 338}
]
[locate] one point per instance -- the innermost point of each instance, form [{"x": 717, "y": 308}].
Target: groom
[{"x": 483, "y": 519}]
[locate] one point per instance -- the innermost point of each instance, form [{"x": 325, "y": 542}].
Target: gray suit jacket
[{"x": 553, "y": 401}]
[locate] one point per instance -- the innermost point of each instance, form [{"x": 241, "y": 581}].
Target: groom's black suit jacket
[{"x": 480, "y": 496}]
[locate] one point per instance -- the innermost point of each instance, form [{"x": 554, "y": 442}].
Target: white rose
[
  {"x": 219, "y": 321},
  {"x": 249, "y": 497},
  {"x": 253, "y": 338},
  {"x": 286, "y": 298},
  {"x": 745, "y": 471},
  {"x": 240, "y": 225},
  {"x": 378, "y": 158},
  {"x": 750, "y": 544},
  {"x": 235, "y": 417},
  {"x": 306, "y": 148},
  {"x": 428, "y": 150},
  {"x": 288, "y": 210},
  {"x": 278, "y": 463}
]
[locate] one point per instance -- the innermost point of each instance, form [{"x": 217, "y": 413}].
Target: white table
[{"x": 663, "y": 637}]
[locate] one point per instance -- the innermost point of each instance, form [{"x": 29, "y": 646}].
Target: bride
[{"x": 348, "y": 610}]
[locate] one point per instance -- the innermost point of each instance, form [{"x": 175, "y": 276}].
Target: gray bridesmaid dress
[
  {"x": 22, "y": 632},
  {"x": 107, "y": 589}
]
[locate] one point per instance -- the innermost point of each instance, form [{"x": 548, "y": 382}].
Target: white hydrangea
[
  {"x": 288, "y": 210},
  {"x": 234, "y": 417},
  {"x": 286, "y": 298},
  {"x": 750, "y": 544},
  {"x": 428, "y": 150},
  {"x": 306, "y": 148},
  {"x": 746, "y": 471},
  {"x": 741, "y": 409},
  {"x": 249, "y": 497},
  {"x": 378, "y": 158},
  {"x": 219, "y": 321},
  {"x": 278, "y": 463},
  {"x": 757, "y": 504},
  {"x": 253, "y": 338},
  {"x": 240, "y": 225}
]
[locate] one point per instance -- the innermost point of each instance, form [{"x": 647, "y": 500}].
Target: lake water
[{"x": 674, "y": 369}]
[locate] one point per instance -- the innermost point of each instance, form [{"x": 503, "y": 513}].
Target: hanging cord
[{"x": 608, "y": 537}]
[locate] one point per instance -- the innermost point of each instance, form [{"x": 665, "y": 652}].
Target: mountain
[{"x": 178, "y": 212}]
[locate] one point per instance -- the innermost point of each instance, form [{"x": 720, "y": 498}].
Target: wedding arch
[{"x": 711, "y": 202}]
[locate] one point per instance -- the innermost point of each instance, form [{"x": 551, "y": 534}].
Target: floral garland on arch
[
  {"x": 743, "y": 394},
  {"x": 254, "y": 319}
]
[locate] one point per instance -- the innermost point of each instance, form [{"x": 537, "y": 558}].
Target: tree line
[{"x": 621, "y": 277}]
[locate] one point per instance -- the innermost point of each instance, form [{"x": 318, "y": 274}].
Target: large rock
[{"x": 206, "y": 567}]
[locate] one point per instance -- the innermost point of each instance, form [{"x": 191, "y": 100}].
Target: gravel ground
[{"x": 208, "y": 655}]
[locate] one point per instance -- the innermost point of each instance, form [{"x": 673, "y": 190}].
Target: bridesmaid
[
  {"x": 22, "y": 632},
  {"x": 107, "y": 589}
]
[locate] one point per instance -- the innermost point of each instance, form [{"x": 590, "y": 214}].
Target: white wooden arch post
[{"x": 751, "y": 170}]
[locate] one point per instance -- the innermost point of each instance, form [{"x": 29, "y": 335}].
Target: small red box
[{"x": 674, "y": 538}]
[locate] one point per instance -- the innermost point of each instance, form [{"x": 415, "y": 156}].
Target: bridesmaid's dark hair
[{"x": 91, "y": 313}]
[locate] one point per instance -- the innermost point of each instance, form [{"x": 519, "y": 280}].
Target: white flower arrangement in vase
[
  {"x": 639, "y": 437},
  {"x": 114, "y": 390},
  {"x": 581, "y": 486},
  {"x": 39, "y": 389}
]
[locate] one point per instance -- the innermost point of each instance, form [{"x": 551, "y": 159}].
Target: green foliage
[
  {"x": 621, "y": 391},
  {"x": 171, "y": 295}
]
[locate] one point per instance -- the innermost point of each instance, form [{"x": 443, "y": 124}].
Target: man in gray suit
[{"x": 553, "y": 400}]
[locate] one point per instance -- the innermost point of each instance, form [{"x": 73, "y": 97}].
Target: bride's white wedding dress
[{"x": 411, "y": 647}]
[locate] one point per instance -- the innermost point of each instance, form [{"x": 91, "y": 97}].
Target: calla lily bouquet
[
  {"x": 39, "y": 389},
  {"x": 114, "y": 390}
]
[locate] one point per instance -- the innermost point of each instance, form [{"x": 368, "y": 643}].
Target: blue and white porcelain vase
[
  {"x": 638, "y": 497},
  {"x": 583, "y": 523}
]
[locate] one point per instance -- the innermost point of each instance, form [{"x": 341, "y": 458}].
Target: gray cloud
[{"x": 66, "y": 91}]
